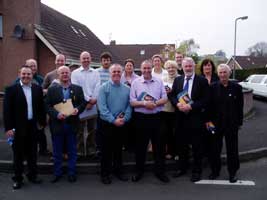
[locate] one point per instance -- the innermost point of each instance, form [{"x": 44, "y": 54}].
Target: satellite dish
[{"x": 18, "y": 31}]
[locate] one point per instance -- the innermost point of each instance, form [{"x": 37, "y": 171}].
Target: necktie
[{"x": 187, "y": 84}]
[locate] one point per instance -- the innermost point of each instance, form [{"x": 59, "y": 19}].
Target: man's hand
[
  {"x": 89, "y": 106},
  {"x": 10, "y": 133},
  {"x": 119, "y": 122},
  {"x": 150, "y": 105},
  {"x": 92, "y": 101},
  {"x": 61, "y": 116},
  {"x": 75, "y": 111},
  {"x": 185, "y": 108},
  {"x": 168, "y": 89}
]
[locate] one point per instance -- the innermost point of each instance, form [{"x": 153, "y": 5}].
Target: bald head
[
  {"x": 60, "y": 60},
  {"x": 85, "y": 59}
]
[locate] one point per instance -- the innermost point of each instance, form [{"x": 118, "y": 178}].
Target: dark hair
[
  {"x": 157, "y": 56},
  {"x": 129, "y": 60},
  {"x": 205, "y": 62},
  {"x": 179, "y": 52},
  {"x": 105, "y": 55}
]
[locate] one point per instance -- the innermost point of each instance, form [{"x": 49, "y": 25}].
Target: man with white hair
[
  {"x": 227, "y": 115},
  {"x": 64, "y": 126},
  {"x": 189, "y": 117}
]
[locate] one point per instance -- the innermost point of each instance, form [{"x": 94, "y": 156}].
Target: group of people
[{"x": 133, "y": 112}]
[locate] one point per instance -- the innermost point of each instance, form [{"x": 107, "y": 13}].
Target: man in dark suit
[
  {"x": 189, "y": 117},
  {"x": 64, "y": 125},
  {"x": 23, "y": 113},
  {"x": 227, "y": 115}
]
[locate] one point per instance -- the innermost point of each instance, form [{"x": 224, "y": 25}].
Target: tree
[
  {"x": 220, "y": 53},
  {"x": 189, "y": 48},
  {"x": 258, "y": 50}
]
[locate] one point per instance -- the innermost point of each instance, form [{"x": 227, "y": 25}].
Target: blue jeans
[{"x": 58, "y": 141}]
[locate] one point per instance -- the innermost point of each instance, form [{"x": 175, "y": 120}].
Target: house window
[
  {"x": 142, "y": 52},
  {"x": 1, "y": 26}
]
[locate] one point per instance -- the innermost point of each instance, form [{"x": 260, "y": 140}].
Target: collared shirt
[
  {"x": 27, "y": 89},
  {"x": 104, "y": 74},
  {"x": 190, "y": 84},
  {"x": 66, "y": 92},
  {"x": 153, "y": 87},
  {"x": 88, "y": 79}
]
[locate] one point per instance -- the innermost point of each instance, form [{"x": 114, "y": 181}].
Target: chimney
[{"x": 113, "y": 42}]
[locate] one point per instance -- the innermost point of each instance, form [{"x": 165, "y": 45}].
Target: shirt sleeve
[
  {"x": 105, "y": 113},
  {"x": 163, "y": 91},
  {"x": 133, "y": 95},
  {"x": 97, "y": 86},
  {"x": 128, "y": 112}
]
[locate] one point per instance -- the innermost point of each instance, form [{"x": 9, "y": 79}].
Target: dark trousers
[
  {"x": 111, "y": 148},
  {"x": 58, "y": 144},
  {"x": 129, "y": 136},
  {"x": 148, "y": 128},
  {"x": 25, "y": 148},
  {"x": 167, "y": 130},
  {"x": 215, "y": 149},
  {"x": 42, "y": 140},
  {"x": 186, "y": 135}
]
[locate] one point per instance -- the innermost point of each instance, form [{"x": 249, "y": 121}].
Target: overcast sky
[{"x": 209, "y": 22}]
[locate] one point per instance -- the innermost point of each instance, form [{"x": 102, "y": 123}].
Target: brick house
[
  {"x": 141, "y": 52},
  {"x": 41, "y": 33}
]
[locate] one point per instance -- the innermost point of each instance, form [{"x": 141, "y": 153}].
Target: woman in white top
[
  {"x": 168, "y": 111},
  {"x": 157, "y": 70}
]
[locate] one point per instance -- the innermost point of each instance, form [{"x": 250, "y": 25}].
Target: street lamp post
[{"x": 242, "y": 18}]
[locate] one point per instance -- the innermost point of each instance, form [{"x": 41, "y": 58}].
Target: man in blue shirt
[{"x": 115, "y": 112}]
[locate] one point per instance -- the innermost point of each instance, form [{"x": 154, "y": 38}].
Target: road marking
[{"x": 226, "y": 182}]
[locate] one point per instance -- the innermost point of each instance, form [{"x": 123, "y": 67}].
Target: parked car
[{"x": 256, "y": 82}]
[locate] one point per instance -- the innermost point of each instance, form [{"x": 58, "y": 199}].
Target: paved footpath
[{"x": 252, "y": 142}]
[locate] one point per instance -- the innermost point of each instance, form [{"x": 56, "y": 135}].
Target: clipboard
[{"x": 65, "y": 107}]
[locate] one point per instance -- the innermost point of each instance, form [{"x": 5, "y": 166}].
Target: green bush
[{"x": 243, "y": 74}]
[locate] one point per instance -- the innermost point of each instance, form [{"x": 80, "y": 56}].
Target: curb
[{"x": 93, "y": 168}]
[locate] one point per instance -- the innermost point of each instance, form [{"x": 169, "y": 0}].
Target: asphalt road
[{"x": 89, "y": 187}]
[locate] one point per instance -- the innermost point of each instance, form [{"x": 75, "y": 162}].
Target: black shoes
[
  {"x": 121, "y": 177},
  {"x": 106, "y": 180},
  {"x": 232, "y": 178},
  {"x": 179, "y": 173},
  {"x": 55, "y": 179},
  {"x": 214, "y": 176},
  {"x": 195, "y": 177},
  {"x": 163, "y": 178},
  {"x": 137, "y": 177},
  {"x": 72, "y": 178},
  {"x": 17, "y": 185},
  {"x": 45, "y": 153}
]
